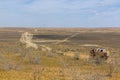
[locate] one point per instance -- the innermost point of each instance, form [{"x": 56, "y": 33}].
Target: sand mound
[{"x": 26, "y": 38}]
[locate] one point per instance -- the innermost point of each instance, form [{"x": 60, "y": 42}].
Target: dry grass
[{"x": 62, "y": 60}]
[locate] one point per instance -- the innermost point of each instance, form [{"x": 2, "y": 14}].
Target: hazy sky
[{"x": 60, "y": 13}]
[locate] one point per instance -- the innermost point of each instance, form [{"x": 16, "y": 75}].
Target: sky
[{"x": 59, "y": 13}]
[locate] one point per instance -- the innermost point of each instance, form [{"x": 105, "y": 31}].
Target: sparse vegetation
[{"x": 63, "y": 56}]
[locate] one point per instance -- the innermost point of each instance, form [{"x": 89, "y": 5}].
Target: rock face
[
  {"x": 26, "y": 38},
  {"x": 99, "y": 52}
]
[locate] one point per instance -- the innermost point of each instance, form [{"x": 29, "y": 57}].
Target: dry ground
[{"x": 68, "y": 59}]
